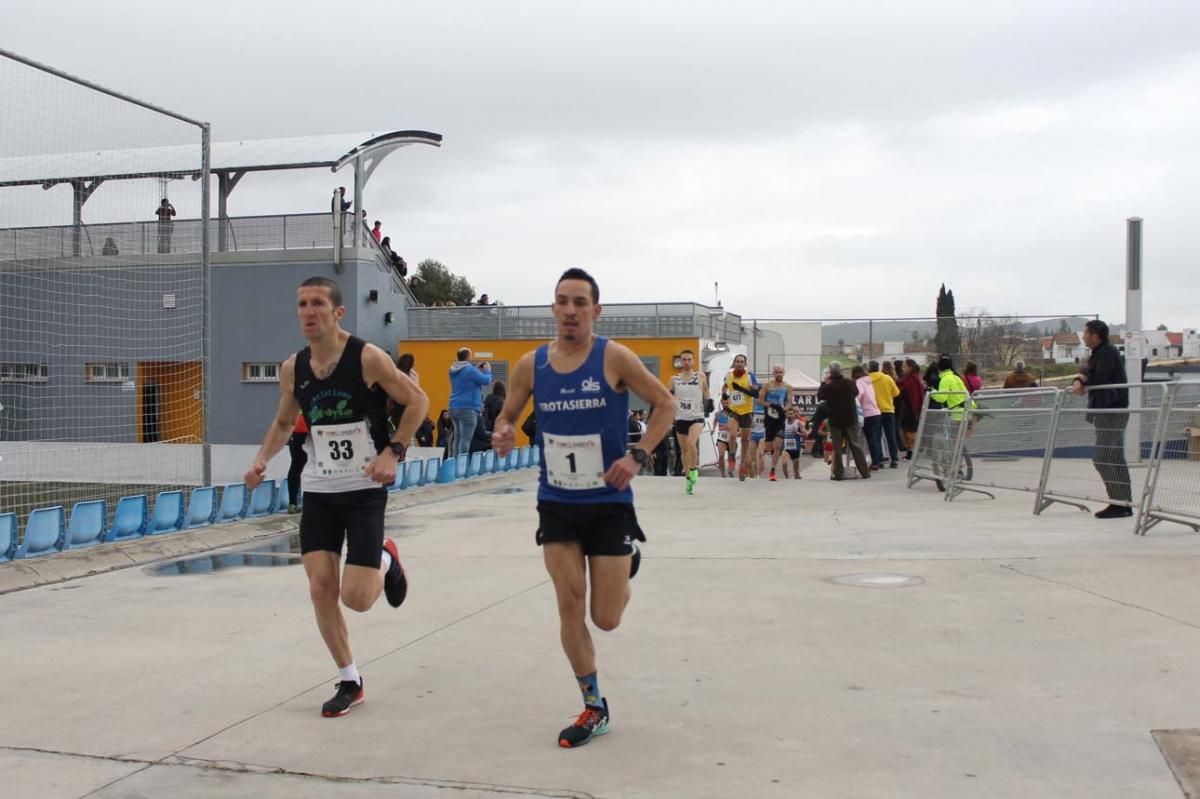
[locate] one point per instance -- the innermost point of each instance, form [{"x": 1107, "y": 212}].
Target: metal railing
[
  {"x": 1092, "y": 450},
  {"x": 234, "y": 234},
  {"x": 1173, "y": 480},
  {"x": 938, "y": 453},
  {"x": 183, "y": 236},
  {"x": 626, "y": 320},
  {"x": 1007, "y": 434}
]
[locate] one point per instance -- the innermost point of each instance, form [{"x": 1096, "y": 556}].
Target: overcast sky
[{"x": 817, "y": 159}]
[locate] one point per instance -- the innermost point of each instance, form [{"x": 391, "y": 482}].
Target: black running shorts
[
  {"x": 772, "y": 428},
  {"x": 684, "y": 426},
  {"x": 602, "y": 528},
  {"x": 353, "y": 517},
  {"x": 744, "y": 420}
]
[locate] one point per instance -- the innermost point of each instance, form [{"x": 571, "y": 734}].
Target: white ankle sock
[
  {"x": 386, "y": 561},
  {"x": 349, "y": 674}
]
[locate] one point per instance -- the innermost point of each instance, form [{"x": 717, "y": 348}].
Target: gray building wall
[
  {"x": 70, "y": 315},
  {"x": 66, "y": 318}
]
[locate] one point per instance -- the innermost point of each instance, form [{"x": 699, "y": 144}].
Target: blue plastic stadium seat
[
  {"x": 489, "y": 462},
  {"x": 43, "y": 532},
  {"x": 168, "y": 513},
  {"x": 8, "y": 536},
  {"x": 475, "y": 464},
  {"x": 202, "y": 507},
  {"x": 262, "y": 499},
  {"x": 535, "y": 455},
  {"x": 460, "y": 466},
  {"x": 448, "y": 472},
  {"x": 233, "y": 503},
  {"x": 412, "y": 473},
  {"x": 281, "y": 497},
  {"x": 430, "y": 474},
  {"x": 129, "y": 519},
  {"x": 523, "y": 457},
  {"x": 88, "y": 522}
]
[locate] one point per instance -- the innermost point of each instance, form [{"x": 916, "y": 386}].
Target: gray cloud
[{"x": 816, "y": 160}]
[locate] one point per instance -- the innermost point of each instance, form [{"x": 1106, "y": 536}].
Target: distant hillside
[{"x": 859, "y": 332}]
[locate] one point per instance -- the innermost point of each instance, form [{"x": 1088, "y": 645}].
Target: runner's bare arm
[
  {"x": 380, "y": 370},
  {"x": 520, "y": 387},
  {"x": 280, "y": 428},
  {"x": 633, "y": 374}
]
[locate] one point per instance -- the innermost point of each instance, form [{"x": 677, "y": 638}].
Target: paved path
[{"x": 1034, "y": 658}]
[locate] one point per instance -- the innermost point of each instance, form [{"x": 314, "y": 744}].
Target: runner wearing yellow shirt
[{"x": 741, "y": 387}]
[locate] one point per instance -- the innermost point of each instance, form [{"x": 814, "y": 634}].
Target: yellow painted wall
[
  {"x": 433, "y": 359},
  {"x": 181, "y": 409}
]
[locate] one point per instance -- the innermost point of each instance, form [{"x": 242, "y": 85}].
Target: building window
[
  {"x": 24, "y": 373},
  {"x": 260, "y": 373},
  {"x": 106, "y": 372}
]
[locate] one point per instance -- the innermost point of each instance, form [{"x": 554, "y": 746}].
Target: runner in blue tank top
[{"x": 587, "y": 527}]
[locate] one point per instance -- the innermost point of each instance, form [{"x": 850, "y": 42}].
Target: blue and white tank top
[{"x": 581, "y": 421}]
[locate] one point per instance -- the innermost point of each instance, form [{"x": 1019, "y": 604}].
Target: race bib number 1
[
  {"x": 342, "y": 448},
  {"x": 573, "y": 463}
]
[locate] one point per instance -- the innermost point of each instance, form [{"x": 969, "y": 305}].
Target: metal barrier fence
[
  {"x": 1173, "y": 482},
  {"x": 1095, "y": 453},
  {"x": 937, "y": 455},
  {"x": 1004, "y": 440}
]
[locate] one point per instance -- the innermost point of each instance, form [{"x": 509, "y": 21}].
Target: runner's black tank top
[{"x": 343, "y": 396}]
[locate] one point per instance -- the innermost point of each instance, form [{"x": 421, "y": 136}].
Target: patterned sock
[{"x": 589, "y": 686}]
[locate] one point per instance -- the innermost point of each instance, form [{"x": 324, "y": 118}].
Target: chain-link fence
[{"x": 103, "y": 293}]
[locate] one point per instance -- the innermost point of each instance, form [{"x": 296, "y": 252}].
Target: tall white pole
[{"x": 1135, "y": 348}]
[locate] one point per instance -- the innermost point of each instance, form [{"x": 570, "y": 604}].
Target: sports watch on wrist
[
  {"x": 397, "y": 449},
  {"x": 640, "y": 455}
]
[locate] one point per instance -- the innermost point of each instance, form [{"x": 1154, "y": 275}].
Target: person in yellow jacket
[
  {"x": 951, "y": 391},
  {"x": 741, "y": 387}
]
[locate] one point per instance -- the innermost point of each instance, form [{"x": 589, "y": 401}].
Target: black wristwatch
[
  {"x": 397, "y": 449},
  {"x": 640, "y": 455}
]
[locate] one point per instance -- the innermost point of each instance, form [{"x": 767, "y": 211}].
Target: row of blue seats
[{"x": 47, "y": 529}]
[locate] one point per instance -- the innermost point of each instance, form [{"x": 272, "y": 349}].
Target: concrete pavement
[{"x": 1031, "y": 656}]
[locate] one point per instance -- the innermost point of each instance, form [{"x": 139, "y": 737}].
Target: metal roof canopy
[{"x": 230, "y": 161}]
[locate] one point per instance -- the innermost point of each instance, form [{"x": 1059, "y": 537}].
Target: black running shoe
[
  {"x": 348, "y": 695},
  {"x": 395, "y": 582},
  {"x": 636, "y": 563},
  {"x": 1114, "y": 512},
  {"x": 592, "y": 721}
]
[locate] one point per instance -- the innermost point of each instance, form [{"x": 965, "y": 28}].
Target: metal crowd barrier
[
  {"x": 939, "y": 452},
  {"x": 1006, "y": 436},
  {"x": 1095, "y": 453},
  {"x": 1173, "y": 480}
]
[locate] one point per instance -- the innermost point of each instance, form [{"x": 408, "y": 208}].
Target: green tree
[
  {"x": 1161, "y": 327},
  {"x": 1063, "y": 327},
  {"x": 434, "y": 283},
  {"x": 947, "y": 338}
]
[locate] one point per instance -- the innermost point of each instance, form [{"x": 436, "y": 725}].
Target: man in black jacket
[
  {"x": 1105, "y": 367},
  {"x": 838, "y": 394}
]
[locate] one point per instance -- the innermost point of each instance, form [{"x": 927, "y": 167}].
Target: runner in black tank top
[{"x": 342, "y": 385}]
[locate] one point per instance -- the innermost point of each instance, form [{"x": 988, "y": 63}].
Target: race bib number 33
[
  {"x": 573, "y": 463},
  {"x": 342, "y": 448}
]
